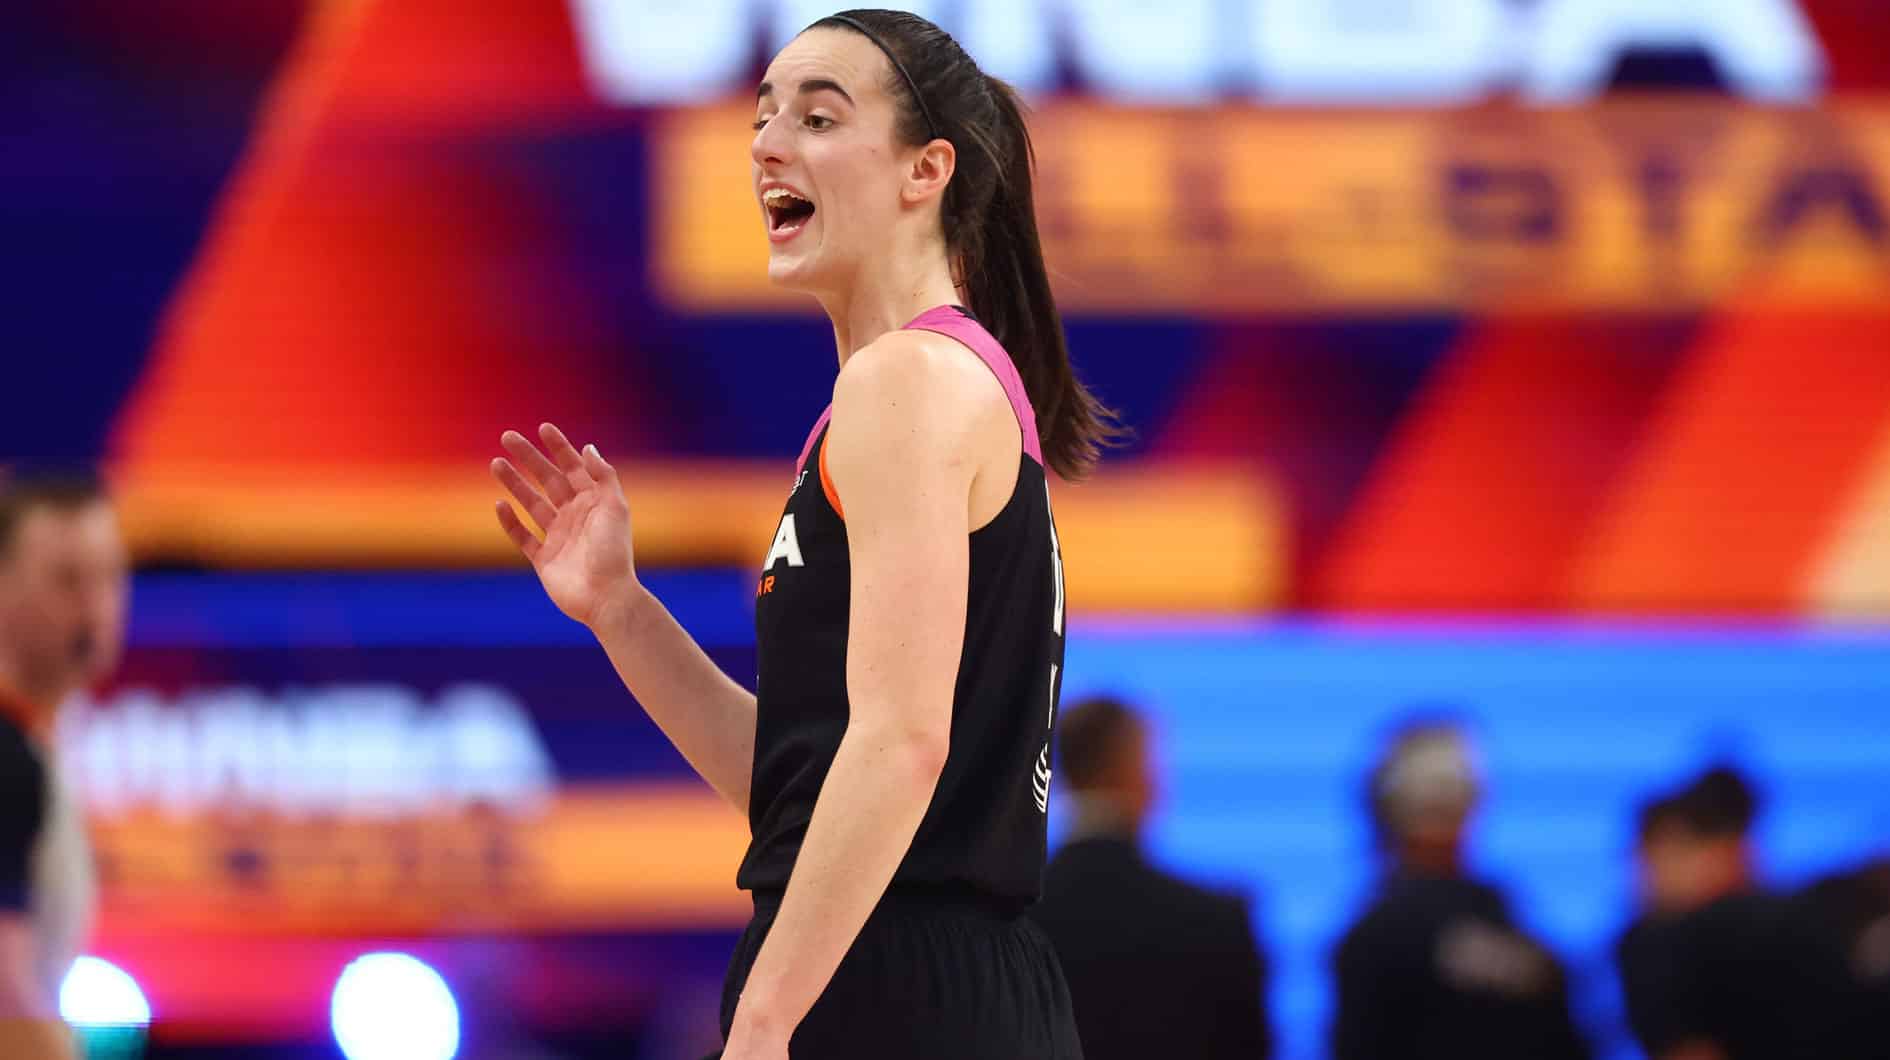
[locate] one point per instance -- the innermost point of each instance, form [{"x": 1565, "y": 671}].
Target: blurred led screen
[{"x": 295, "y": 766}]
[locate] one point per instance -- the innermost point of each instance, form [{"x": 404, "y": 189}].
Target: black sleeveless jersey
[{"x": 983, "y": 835}]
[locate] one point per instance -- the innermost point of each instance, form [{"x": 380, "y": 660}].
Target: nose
[{"x": 770, "y": 146}]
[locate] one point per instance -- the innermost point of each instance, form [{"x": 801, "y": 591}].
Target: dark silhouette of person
[
  {"x": 1855, "y": 903},
  {"x": 1715, "y": 967},
  {"x": 1436, "y": 966},
  {"x": 1157, "y": 966}
]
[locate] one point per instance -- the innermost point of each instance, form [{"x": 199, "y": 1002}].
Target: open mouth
[{"x": 787, "y": 212}]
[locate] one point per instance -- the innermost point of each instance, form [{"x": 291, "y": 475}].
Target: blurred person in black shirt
[
  {"x": 1855, "y": 904},
  {"x": 1156, "y": 965},
  {"x": 1646, "y": 954},
  {"x": 1437, "y": 968},
  {"x": 1715, "y": 968},
  {"x": 63, "y": 592}
]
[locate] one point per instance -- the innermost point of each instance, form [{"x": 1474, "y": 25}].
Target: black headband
[{"x": 930, "y": 125}]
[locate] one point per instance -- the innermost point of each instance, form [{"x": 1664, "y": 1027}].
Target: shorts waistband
[{"x": 920, "y": 899}]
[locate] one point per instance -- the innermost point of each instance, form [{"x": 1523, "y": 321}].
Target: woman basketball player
[{"x": 894, "y": 764}]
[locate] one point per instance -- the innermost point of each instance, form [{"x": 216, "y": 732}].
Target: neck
[
  {"x": 888, "y": 294},
  {"x": 1437, "y": 860},
  {"x": 1096, "y": 815},
  {"x": 25, "y": 693}
]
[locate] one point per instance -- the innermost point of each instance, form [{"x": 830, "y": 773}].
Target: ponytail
[
  {"x": 990, "y": 221},
  {"x": 1008, "y": 286}
]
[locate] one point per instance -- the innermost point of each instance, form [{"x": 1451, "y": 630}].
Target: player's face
[
  {"x": 64, "y": 589},
  {"x": 827, "y": 171}
]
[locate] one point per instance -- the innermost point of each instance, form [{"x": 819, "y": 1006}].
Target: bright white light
[
  {"x": 390, "y": 1006},
  {"x": 98, "y": 993}
]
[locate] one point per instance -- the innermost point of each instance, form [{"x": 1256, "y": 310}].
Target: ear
[{"x": 931, "y": 170}]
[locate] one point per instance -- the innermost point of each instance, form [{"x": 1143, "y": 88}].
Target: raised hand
[{"x": 585, "y": 560}]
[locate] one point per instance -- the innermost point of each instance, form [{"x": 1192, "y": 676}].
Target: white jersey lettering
[{"x": 787, "y": 546}]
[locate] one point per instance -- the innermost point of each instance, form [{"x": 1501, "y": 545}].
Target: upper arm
[
  {"x": 1662, "y": 981},
  {"x": 22, "y": 813},
  {"x": 1366, "y": 1002},
  {"x": 900, "y": 452},
  {"x": 1244, "y": 981},
  {"x": 20, "y": 993}
]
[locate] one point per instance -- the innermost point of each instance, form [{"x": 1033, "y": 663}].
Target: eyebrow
[{"x": 812, "y": 84}]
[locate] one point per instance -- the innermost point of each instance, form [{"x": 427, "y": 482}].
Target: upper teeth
[{"x": 779, "y": 197}]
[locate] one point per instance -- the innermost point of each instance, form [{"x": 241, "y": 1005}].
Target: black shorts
[{"x": 928, "y": 979}]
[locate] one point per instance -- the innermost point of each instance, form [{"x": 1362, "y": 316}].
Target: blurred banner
[
  {"x": 1625, "y": 357},
  {"x": 294, "y": 766},
  {"x": 1414, "y": 53},
  {"x": 1623, "y": 206},
  {"x": 390, "y": 753}
]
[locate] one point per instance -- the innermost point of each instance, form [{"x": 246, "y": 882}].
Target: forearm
[
  {"x": 709, "y": 717},
  {"x": 36, "y": 1039},
  {"x": 29, "y": 1027},
  {"x": 875, "y": 794}
]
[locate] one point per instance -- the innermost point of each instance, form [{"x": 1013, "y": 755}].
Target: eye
[
  {"x": 761, "y": 122},
  {"x": 818, "y": 122}
]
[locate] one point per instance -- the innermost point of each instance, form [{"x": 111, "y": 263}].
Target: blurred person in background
[
  {"x": 894, "y": 763},
  {"x": 1714, "y": 967},
  {"x": 63, "y": 594},
  {"x": 1644, "y": 954},
  {"x": 1855, "y": 904},
  {"x": 1157, "y": 966},
  {"x": 1437, "y": 966}
]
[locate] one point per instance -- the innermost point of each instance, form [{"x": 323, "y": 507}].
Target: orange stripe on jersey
[{"x": 826, "y": 482}]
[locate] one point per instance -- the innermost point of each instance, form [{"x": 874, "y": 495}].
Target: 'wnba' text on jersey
[{"x": 984, "y": 832}]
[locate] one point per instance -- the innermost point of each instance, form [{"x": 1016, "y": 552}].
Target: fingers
[
  {"x": 557, "y": 486},
  {"x": 524, "y": 492},
  {"x": 597, "y": 467},
  {"x": 526, "y": 541},
  {"x": 561, "y": 450}
]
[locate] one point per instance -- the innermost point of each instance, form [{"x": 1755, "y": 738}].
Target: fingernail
[{"x": 592, "y": 449}]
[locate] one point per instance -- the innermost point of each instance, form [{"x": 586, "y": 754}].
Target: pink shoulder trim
[
  {"x": 813, "y": 436},
  {"x": 953, "y": 323}
]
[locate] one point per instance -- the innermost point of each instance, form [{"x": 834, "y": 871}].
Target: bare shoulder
[{"x": 922, "y": 381}]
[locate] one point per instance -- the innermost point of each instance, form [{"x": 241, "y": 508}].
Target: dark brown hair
[
  {"x": 1090, "y": 735},
  {"x": 990, "y": 220},
  {"x": 23, "y": 492}
]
